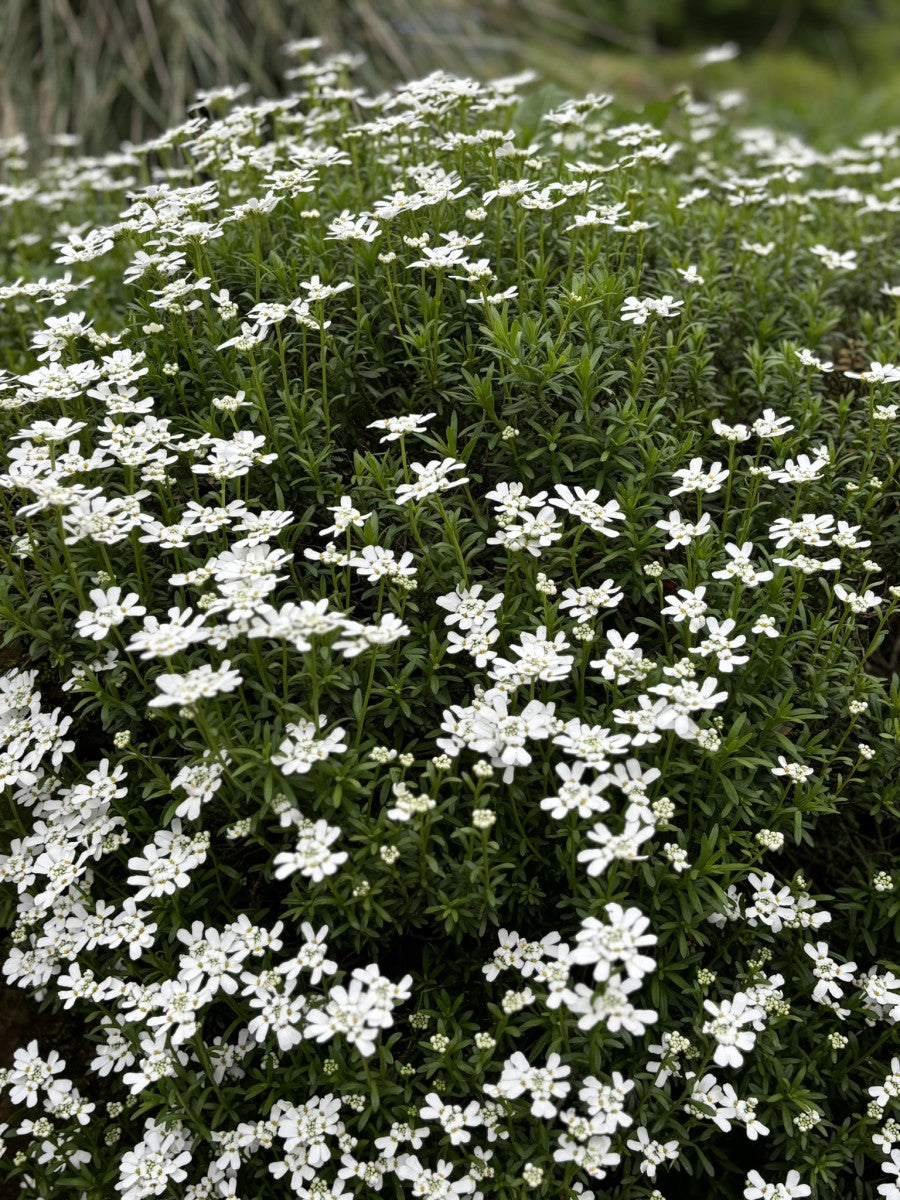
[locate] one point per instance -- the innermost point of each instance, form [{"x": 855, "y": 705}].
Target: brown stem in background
[{"x": 784, "y": 25}]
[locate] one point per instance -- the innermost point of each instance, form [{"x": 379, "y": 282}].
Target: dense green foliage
[
  {"x": 434, "y": 522},
  {"x": 814, "y": 24}
]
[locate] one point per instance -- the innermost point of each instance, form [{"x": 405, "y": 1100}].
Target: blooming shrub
[{"x": 449, "y": 739}]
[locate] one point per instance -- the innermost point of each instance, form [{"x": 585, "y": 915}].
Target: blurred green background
[{"x": 114, "y": 70}]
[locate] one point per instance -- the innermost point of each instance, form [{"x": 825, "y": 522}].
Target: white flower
[
  {"x": 690, "y": 275},
  {"x": 772, "y": 908},
  {"x": 509, "y": 501},
  {"x": 602, "y": 945},
  {"x": 301, "y": 748},
  {"x": 809, "y": 530},
  {"x": 727, "y": 1026},
  {"x": 584, "y": 799},
  {"x": 719, "y": 643},
  {"x": 687, "y": 605},
  {"x": 317, "y": 290},
  {"x": 809, "y": 566},
  {"x": 398, "y": 427},
  {"x": 542, "y": 1083},
  {"x": 654, "y": 1153},
  {"x": 766, "y": 625},
  {"x": 436, "y": 1182},
  {"x": 357, "y": 637},
  {"x": 637, "y": 311},
  {"x": 358, "y": 1011},
  {"x": 591, "y": 743},
  {"x": 583, "y": 504},
  {"x": 847, "y": 539},
  {"x": 164, "y": 640},
  {"x": 681, "y": 532},
  {"x": 502, "y": 735},
  {"x": 740, "y": 566},
  {"x": 346, "y": 517},
  {"x": 452, "y": 1117},
  {"x": 677, "y": 857},
  {"x": 867, "y": 602},
  {"x": 756, "y": 1188},
  {"x": 624, "y": 846},
  {"x": 794, "y": 771},
  {"x": 768, "y": 425},
  {"x": 537, "y": 657},
  {"x": 347, "y": 228},
  {"x": 885, "y": 1092},
  {"x": 586, "y": 602},
  {"x": 164, "y": 866},
  {"x": 279, "y": 1013},
  {"x": 536, "y": 531},
  {"x": 829, "y": 973},
  {"x": 155, "y": 1162},
  {"x": 623, "y": 661},
  {"x": 684, "y": 698},
  {"x": 715, "y": 54},
  {"x": 804, "y": 470},
  {"x": 200, "y": 683},
  {"x": 763, "y": 249},
  {"x": 312, "y": 855},
  {"x": 612, "y": 1006},
  {"x": 434, "y": 476},
  {"x": 696, "y": 478},
  {"x": 731, "y": 433},
  {"x": 109, "y": 610},
  {"x": 835, "y": 260},
  {"x": 877, "y": 373},
  {"x": 811, "y": 360},
  {"x": 466, "y": 608},
  {"x": 250, "y": 336},
  {"x": 478, "y": 643},
  {"x": 376, "y": 563}
]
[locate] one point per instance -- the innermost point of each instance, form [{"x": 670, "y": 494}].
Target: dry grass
[{"x": 110, "y": 70}]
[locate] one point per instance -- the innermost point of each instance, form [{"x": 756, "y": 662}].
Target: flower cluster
[{"x": 450, "y": 604}]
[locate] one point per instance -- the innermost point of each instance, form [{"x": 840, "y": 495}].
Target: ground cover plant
[{"x": 450, "y": 620}]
